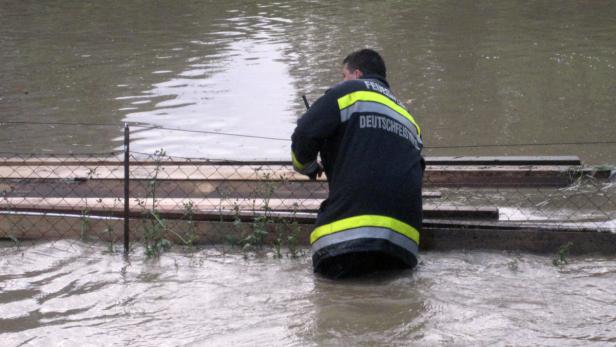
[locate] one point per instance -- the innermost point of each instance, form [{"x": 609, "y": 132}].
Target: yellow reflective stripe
[
  {"x": 296, "y": 162},
  {"x": 364, "y": 95},
  {"x": 365, "y": 221}
]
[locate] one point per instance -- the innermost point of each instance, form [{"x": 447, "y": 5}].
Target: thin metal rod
[
  {"x": 306, "y": 102},
  {"x": 126, "y": 188}
]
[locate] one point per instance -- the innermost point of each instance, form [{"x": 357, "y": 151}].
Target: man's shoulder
[
  {"x": 346, "y": 87},
  {"x": 372, "y": 85}
]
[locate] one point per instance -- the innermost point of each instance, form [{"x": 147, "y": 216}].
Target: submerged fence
[{"x": 153, "y": 200}]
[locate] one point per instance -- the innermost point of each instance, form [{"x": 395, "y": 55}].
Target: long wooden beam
[
  {"x": 449, "y": 176},
  {"x": 54, "y": 187},
  {"x": 434, "y": 236},
  {"x": 32, "y": 160},
  {"x": 213, "y": 209}
]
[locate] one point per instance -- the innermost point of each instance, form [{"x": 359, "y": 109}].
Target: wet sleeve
[{"x": 313, "y": 128}]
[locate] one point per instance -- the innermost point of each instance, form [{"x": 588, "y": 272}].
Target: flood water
[
  {"x": 479, "y": 76},
  {"x": 74, "y": 294}
]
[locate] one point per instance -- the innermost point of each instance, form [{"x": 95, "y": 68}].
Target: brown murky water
[
  {"x": 75, "y": 294},
  {"x": 473, "y": 73}
]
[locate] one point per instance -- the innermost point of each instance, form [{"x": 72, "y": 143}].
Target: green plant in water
[
  {"x": 605, "y": 167},
  {"x": 292, "y": 227},
  {"x": 237, "y": 226},
  {"x": 278, "y": 246},
  {"x": 189, "y": 213},
  {"x": 560, "y": 258},
  {"x": 5, "y": 196},
  {"x": 256, "y": 239},
  {"x": 292, "y": 239},
  {"x": 227, "y": 237},
  {"x": 293, "y": 230},
  {"x": 111, "y": 245},
  {"x": 154, "y": 227},
  {"x": 15, "y": 240},
  {"x": 287, "y": 231},
  {"x": 259, "y": 230},
  {"x": 155, "y": 236},
  {"x": 513, "y": 265},
  {"x": 262, "y": 213},
  {"x": 253, "y": 236},
  {"x": 84, "y": 226},
  {"x": 154, "y": 241}
]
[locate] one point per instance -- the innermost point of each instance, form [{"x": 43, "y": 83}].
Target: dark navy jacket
[{"x": 370, "y": 148}]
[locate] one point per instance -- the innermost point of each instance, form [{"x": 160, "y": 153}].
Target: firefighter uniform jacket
[{"x": 370, "y": 148}]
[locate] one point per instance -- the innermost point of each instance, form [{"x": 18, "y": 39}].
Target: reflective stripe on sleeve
[
  {"x": 296, "y": 164},
  {"x": 304, "y": 169},
  {"x": 365, "y": 221}
]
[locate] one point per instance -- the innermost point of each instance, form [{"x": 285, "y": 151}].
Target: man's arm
[{"x": 316, "y": 125}]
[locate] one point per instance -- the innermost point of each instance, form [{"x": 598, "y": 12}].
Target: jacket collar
[{"x": 376, "y": 77}]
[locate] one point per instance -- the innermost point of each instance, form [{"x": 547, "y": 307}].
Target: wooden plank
[
  {"x": 501, "y": 176},
  {"x": 544, "y": 240},
  {"x": 16, "y": 187},
  {"x": 213, "y": 209},
  {"x": 433, "y": 237},
  {"x": 77, "y": 160},
  {"x": 58, "y": 227},
  {"x": 148, "y": 172},
  {"x": 434, "y": 175},
  {"x": 563, "y": 160},
  {"x": 166, "y": 188}
]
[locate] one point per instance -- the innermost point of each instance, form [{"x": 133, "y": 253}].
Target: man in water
[{"x": 370, "y": 148}]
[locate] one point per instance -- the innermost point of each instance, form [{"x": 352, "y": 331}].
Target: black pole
[
  {"x": 126, "y": 190},
  {"x": 306, "y": 101}
]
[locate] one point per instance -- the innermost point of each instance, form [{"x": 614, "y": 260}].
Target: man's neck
[{"x": 376, "y": 77}]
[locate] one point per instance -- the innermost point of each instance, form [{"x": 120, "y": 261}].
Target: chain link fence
[{"x": 168, "y": 200}]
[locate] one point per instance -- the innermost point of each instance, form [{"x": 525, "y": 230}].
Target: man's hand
[{"x": 318, "y": 172}]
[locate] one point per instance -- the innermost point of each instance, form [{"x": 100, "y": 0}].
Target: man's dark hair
[{"x": 367, "y": 61}]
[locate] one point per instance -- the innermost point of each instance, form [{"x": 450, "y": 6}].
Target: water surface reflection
[
  {"x": 252, "y": 83},
  {"x": 479, "y": 76},
  {"x": 71, "y": 293}
]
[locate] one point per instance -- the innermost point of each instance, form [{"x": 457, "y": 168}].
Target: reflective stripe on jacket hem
[
  {"x": 366, "y": 233},
  {"x": 365, "y": 221}
]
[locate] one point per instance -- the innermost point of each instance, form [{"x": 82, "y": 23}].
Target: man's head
[{"x": 363, "y": 62}]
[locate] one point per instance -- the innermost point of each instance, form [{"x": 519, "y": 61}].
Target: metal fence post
[{"x": 126, "y": 187}]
